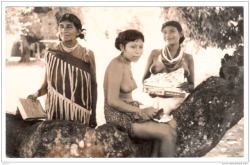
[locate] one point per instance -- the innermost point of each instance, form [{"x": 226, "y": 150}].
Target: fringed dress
[{"x": 69, "y": 94}]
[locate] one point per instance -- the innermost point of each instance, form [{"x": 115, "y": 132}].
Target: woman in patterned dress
[
  {"x": 70, "y": 77},
  {"x": 120, "y": 108}
]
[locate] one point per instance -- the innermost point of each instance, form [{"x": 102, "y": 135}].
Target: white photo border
[{"x": 244, "y": 4}]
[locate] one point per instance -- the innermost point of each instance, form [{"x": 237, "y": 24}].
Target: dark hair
[
  {"x": 75, "y": 20},
  {"x": 177, "y": 26},
  {"x": 127, "y": 36}
]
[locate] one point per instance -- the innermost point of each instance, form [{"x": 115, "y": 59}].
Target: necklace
[
  {"x": 69, "y": 50},
  {"x": 172, "y": 60},
  {"x": 124, "y": 60},
  {"x": 128, "y": 66}
]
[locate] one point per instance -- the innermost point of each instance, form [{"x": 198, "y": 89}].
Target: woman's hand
[
  {"x": 186, "y": 87},
  {"x": 33, "y": 96},
  {"x": 152, "y": 95},
  {"x": 149, "y": 112},
  {"x": 191, "y": 88}
]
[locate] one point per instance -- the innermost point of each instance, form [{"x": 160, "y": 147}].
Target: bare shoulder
[
  {"x": 188, "y": 57},
  {"x": 155, "y": 53},
  {"x": 115, "y": 64}
]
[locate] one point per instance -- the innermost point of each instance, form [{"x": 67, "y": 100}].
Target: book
[
  {"x": 166, "y": 84},
  {"x": 163, "y": 119},
  {"x": 164, "y": 91},
  {"x": 31, "y": 110}
]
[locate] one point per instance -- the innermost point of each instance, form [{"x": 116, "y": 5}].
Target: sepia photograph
[{"x": 149, "y": 82}]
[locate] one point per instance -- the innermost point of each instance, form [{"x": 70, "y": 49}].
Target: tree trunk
[{"x": 25, "y": 50}]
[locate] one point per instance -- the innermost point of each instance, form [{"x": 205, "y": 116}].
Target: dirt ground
[{"x": 232, "y": 143}]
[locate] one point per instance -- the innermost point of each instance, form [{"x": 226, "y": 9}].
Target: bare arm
[
  {"x": 93, "y": 87},
  {"x": 42, "y": 91},
  {"x": 190, "y": 77},
  {"x": 44, "y": 88},
  {"x": 149, "y": 63}
]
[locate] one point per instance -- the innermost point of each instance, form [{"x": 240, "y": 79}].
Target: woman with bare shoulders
[
  {"x": 122, "y": 110},
  {"x": 172, "y": 66}
]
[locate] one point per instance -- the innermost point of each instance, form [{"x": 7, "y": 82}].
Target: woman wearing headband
[{"x": 70, "y": 80}]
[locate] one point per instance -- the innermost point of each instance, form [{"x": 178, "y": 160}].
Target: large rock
[
  {"x": 116, "y": 143},
  {"x": 69, "y": 139},
  {"x": 205, "y": 116},
  {"x": 214, "y": 107},
  {"x": 47, "y": 138},
  {"x": 17, "y": 131}
]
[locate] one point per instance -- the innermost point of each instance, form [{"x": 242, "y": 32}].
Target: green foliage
[{"x": 210, "y": 26}]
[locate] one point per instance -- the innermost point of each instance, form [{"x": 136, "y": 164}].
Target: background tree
[
  {"x": 32, "y": 24},
  {"x": 220, "y": 27}
]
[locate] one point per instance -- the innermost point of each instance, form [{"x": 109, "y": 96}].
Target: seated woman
[
  {"x": 70, "y": 77},
  {"x": 120, "y": 108},
  {"x": 171, "y": 65}
]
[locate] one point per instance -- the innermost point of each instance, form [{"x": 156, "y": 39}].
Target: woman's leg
[
  {"x": 156, "y": 148},
  {"x": 173, "y": 124},
  {"x": 164, "y": 133}
]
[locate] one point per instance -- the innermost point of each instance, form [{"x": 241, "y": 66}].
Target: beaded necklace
[{"x": 69, "y": 50}]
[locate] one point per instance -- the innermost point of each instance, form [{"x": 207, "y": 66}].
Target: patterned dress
[
  {"x": 69, "y": 95},
  {"x": 123, "y": 120}
]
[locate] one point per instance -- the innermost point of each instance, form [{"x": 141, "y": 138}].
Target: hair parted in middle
[
  {"x": 177, "y": 25},
  {"x": 76, "y": 21},
  {"x": 128, "y": 36}
]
